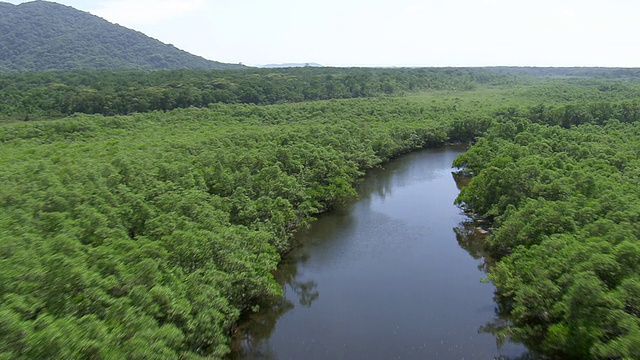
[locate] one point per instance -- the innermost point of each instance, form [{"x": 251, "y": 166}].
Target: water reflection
[
  {"x": 251, "y": 340},
  {"x": 471, "y": 236}
]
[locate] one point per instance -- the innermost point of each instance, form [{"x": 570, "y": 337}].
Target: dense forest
[
  {"x": 146, "y": 232},
  {"x": 53, "y": 94},
  {"x": 109, "y": 92},
  {"x": 146, "y": 236},
  {"x": 43, "y": 35},
  {"x": 562, "y": 189}
]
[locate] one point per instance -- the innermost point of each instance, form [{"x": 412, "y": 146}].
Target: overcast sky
[{"x": 388, "y": 32}]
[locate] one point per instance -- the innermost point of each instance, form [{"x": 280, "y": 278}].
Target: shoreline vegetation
[{"x": 146, "y": 233}]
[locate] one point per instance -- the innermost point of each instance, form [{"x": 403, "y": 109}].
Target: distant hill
[
  {"x": 273, "y": 66},
  {"x": 44, "y": 35}
]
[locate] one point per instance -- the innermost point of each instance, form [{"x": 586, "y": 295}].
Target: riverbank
[{"x": 369, "y": 277}]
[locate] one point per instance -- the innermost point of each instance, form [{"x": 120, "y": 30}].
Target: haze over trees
[{"x": 42, "y": 35}]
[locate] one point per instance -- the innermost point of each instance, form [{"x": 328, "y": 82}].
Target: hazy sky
[{"x": 388, "y": 32}]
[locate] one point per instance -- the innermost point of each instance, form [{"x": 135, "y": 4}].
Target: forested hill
[{"x": 44, "y": 35}]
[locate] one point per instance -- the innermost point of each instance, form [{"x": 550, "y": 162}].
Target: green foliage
[
  {"x": 120, "y": 92},
  {"x": 565, "y": 203},
  {"x": 490, "y": 94},
  {"x": 147, "y": 236}
]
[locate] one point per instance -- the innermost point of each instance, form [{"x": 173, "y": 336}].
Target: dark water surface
[{"x": 384, "y": 277}]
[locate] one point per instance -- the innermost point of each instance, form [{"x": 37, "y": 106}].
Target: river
[{"x": 384, "y": 277}]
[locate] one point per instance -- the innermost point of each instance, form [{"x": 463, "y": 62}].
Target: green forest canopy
[
  {"x": 147, "y": 235},
  {"x": 53, "y": 94}
]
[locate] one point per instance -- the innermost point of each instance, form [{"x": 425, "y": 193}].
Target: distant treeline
[
  {"x": 53, "y": 94},
  {"x": 25, "y": 96},
  {"x": 597, "y": 113},
  {"x": 592, "y": 72}
]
